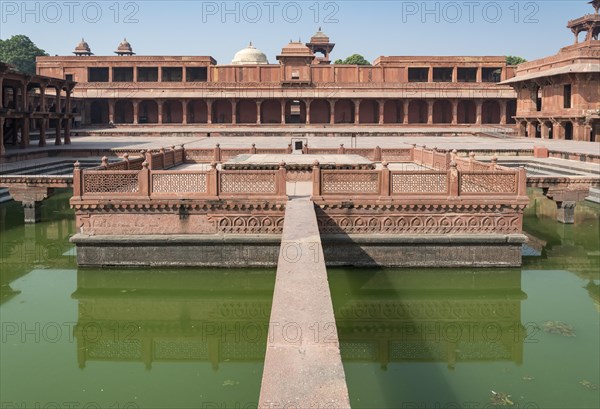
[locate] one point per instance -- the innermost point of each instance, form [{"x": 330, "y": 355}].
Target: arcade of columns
[
  {"x": 19, "y": 93},
  {"x": 305, "y": 111}
]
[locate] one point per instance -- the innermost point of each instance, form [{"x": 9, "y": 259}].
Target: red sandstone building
[
  {"x": 559, "y": 96},
  {"x": 302, "y": 88}
]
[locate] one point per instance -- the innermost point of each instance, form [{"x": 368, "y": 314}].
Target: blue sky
[{"x": 532, "y": 29}]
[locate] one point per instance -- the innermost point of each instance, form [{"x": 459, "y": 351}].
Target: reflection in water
[
  {"x": 213, "y": 316},
  {"x": 27, "y": 246},
  {"x": 430, "y": 316}
]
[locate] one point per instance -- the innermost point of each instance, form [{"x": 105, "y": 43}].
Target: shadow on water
[{"x": 401, "y": 318}]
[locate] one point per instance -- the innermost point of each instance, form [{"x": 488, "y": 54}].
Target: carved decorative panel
[
  {"x": 110, "y": 182},
  {"x": 178, "y": 182},
  {"x": 244, "y": 224},
  {"x": 199, "y": 155},
  {"x": 488, "y": 182},
  {"x": 420, "y": 224},
  {"x": 396, "y": 155},
  {"x": 349, "y": 182},
  {"x": 421, "y": 182},
  {"x": 248, "y": 182}
]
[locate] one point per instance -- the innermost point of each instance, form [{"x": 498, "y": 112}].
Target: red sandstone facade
[
  {"x": 302, "y": 89},
  {"x": 559, "y": 96}
]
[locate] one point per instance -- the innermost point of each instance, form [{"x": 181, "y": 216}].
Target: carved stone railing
[
  {"x": 385, "y": 184},
  {"x": 177, "y": 184}
]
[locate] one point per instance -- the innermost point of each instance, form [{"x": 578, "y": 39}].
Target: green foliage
[
  {"x": 514, "y": 60},
  {"x": 20, "y": 51},
  {"x": 354, "y": 59}
]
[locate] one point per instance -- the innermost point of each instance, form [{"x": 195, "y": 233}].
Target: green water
[
  {"x": 123, "y": 339},
  {"x": 196, "y": 338},
  {"x": 447, "y": 338}
]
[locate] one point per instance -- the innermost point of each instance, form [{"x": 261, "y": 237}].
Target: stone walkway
[{"x": 303, "y": 366}]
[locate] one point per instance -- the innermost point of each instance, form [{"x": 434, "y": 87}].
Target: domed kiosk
[
  {"x": 82, "y": 49},
  {"x": 249, "y": 56},
  {"x": 124, "y": 48}
]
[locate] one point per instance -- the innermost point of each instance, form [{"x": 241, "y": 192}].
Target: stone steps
[{"x": 594, "y": 195}]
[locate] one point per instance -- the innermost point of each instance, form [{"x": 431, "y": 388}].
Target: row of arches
[{"x": 318, "y": 111}]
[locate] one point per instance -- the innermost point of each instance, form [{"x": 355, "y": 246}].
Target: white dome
[{"x": 249, "y": 56}]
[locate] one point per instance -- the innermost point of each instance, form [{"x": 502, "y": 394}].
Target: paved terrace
[{"x": 468, "y": 143}]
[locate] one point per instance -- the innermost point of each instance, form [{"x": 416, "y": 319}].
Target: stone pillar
[
  {"x": 455, "y": 74},
  {"x": 307, "y": 103},
  {"x": 111, "y": 111},
  {"x": 25, "y": 132},
  {"x": 43, "y": 121},
  {"x": 258, "y": 118},
  {"x": 331, "y": 111},
  {"x": 32, "y": 211},
  {"x": 136, "y": 111},
  {"x": 68, "y": 118},
  {"x": 545, "y": 130},
  {"x": 209, "y": 103},
  {"x": 160, "y": 111},
  {"x": 430, "y": 111},
  {"x": 503, "y": 103},
  {"x": 479, "y": 76},
  {"x": 566, "y": 212},
  {"x": 184, "y": 104},
  {"x": 478, "y": 109},
  {"x": 282, "y": 103},
  {"x": 25, "y": 124},
  {"x": 2, "y": 149},
  {"x": 356, "y": 103},
  {"x": 557, "y": 132},
  {"x": 381, "y": 104},
  {"x": 406, "y": 105},
  {"x": 579, "y": 131},
  {"x": 531, "y": 129},
  {"x": 455, "y": 112},
  {"x": 234, "y": 111},
  {"x": 57, "y": 130}
]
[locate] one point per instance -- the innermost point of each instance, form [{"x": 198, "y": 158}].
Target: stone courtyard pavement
[{"x": 441, "y": 142}]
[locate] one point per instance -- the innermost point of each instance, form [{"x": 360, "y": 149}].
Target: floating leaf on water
[
  {"x": 228, "y": 382},
  {"x": 558, "y": 327},
  {"x": 528, "y": 378},
  {"x": 587, "y": 384},
  {"x": 500, "y": 399}
]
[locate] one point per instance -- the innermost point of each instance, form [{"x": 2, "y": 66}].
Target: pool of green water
[{"x": 195, "y": 338}]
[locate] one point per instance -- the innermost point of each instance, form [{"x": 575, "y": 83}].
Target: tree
[
  {"x": 354, "y": 59},
  {"x": 20, "y": 51},
  {"x": 514, "y": 60}
]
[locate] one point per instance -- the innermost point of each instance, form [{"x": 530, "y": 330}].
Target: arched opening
[
  {"x": 417, "y": 112},
  {"x": 148, "y": 112},
  {"x": 246, "y": 111},
  {"x": 123, "y": 112},
  {"x": 569, "y": 131},
  {"x": 344, "y": 112},
  {"x": 172, "y": 112},
  {"x": 442, "y": 112},
  {"x": 392, "y": 112},
  {"x": 467, "y": 112},
  {"x": 319, "y": 112},
  {"x": 98, "y": 111},
  {"x": 490, "y": 112},
  {"x": 295, "y": 112},
  {"x": 368, "y": 112},
  {"x": 197, "y": 112},
  {"x": 221, "y": 112},
  {"x": 594, "y": 132},
  {"x": 270, "y": 111}
]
